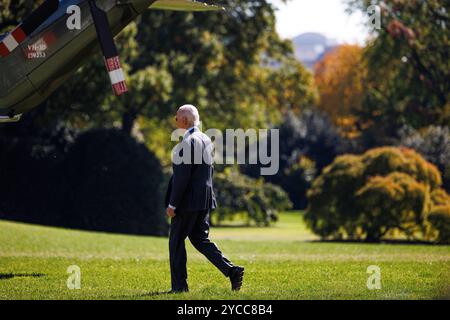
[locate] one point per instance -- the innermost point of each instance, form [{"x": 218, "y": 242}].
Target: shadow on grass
[
  {"x": 235, "y": 226},
  {"x": 6, "y": 276},
  {"x": 154, "y": 294},
  {"x": 144, "y": 295},
  {"x": 393, "y": 241}
]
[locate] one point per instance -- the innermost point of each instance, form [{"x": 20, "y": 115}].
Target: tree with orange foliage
[{"x": 339, "y": 77}]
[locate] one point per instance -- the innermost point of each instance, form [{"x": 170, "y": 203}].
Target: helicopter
[{"x": 57, "y": 38}]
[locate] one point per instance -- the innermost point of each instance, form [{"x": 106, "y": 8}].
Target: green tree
[
  {"x": 408, "y": 65},
  {"x": 232, "y": 65},
  {"x": 222, "y": 62}
]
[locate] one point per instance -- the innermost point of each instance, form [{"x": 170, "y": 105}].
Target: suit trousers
[{"x": 195, "y": 226}]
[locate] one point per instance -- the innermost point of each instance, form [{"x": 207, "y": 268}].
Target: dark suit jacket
[{"x": 191, "y": 185}]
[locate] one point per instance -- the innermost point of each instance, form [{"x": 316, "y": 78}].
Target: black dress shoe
[{"x": 236, "y": 278}]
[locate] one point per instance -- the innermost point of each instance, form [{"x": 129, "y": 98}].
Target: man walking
[{"x": 189, "y": 200}]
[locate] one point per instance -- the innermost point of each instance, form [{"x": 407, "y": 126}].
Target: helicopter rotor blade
[{"x": 109, "y": 50}]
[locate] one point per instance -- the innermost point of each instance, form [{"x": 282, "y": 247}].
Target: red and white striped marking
[
  {"x": 116, "y": 76},
  {"x": 12, "y": 41}
]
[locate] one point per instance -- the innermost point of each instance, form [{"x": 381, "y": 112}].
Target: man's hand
[{"x": 170, "y": 212}]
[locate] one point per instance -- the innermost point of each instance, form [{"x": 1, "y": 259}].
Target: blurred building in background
[{"x": 311, "y": 47}]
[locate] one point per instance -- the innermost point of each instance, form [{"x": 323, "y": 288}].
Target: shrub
[
  {"x": 440, "y": 220},
  {"x": 433, "y": 144},
  {"x": 368, "y": 196},
  {"x": 394, "y": 201},
  {"x": 440, "y": 216},
  {"x": 332, "y": 208},
  {"x": 114, "y": 184},
  {"x": 30, "y": 171},
  {"x": 237, "y": 193}
]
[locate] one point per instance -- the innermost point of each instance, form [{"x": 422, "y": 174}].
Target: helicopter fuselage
[{"x": 53, "y": 52}]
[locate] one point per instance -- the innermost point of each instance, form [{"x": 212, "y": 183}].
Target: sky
[{"x": 324, "y": 16}]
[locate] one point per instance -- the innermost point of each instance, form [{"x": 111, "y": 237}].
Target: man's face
[{"x": 181, "y": 120}]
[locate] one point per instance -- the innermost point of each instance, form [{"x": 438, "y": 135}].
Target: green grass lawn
[{"x": 282, "y": 262}]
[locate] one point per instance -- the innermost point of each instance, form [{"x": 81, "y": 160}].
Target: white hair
[{"x": 191, "y": 114}]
